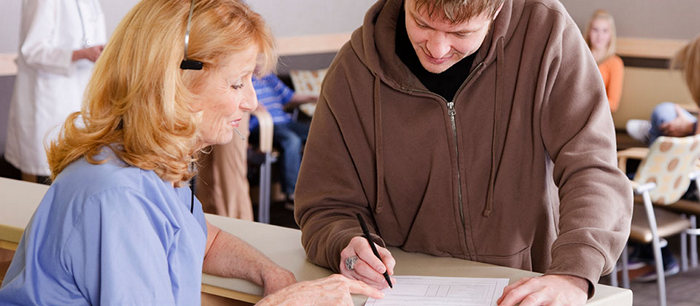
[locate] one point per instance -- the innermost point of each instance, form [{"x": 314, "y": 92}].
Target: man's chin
[{"x": 436, "y": 68}]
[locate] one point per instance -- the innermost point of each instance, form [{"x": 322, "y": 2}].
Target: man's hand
[
  {"x": 276, "y": 278},
  {"x": 546, "y": 290},
  {"x": 679, "y": 127},
  {"x": 368, "y": 268},
  {"x": 331, "y": 290}
]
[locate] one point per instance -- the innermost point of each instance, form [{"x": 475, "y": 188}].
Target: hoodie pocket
[{"x": 520, "y": 259}]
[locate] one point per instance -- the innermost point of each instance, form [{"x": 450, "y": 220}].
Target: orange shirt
[{"x": 612, "y": 70}]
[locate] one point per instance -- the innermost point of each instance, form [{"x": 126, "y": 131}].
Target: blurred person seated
[
  {"x": 669, "y": 119},
  {"x": 288, "y": 136},
  {"x": 600, "y": 37}
]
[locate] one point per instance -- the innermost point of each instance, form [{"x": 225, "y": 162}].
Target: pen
[{"x": 365, "y": 231}]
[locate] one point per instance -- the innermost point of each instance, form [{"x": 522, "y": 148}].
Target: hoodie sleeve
[
  {"x": 336, "y": 179},
  {"x": 578, "y": 134}
]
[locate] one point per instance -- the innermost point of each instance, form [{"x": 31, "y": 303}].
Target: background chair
[
  {"x": 307, "y": 82},
  {"x": 661, "y": 179},
  {"x": 263, "y": 160},
  {"x": 690, "y": 210}
]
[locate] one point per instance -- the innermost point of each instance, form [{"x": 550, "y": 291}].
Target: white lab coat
[{"x": 49, "y": 86}]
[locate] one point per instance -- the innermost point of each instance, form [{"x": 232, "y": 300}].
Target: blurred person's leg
[
  {"x": 290, "y": 143},
  {"x": 222, "y": 182},
  {"x": 664, "y": 112}
]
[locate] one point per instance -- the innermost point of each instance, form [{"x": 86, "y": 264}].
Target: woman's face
[
  {"x": 225, "y": 96},
  {"x": 600, "y": 34}
]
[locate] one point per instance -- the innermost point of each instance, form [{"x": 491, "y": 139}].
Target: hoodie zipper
[
  {"x": 451, "y": 111},
  {"x": 453, "y": 122}
]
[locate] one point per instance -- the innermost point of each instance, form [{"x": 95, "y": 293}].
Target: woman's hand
[
  {"x": 277, "y": 278},
  {"x": 331, "y": 290},
  {"x": 367, "y": 267}
]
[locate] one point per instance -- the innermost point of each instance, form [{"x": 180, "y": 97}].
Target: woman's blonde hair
[
  {"x": 138, "y": 100},
  {"x": 688, "y": 59},
  {"x": 457, "y": 11},
  {"x": 604, "y": 15}
]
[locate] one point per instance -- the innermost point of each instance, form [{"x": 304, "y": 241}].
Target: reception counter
[{"x": 18, "y": 200}]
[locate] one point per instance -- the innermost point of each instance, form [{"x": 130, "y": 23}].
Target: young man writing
[{"x": 476, "y": 129}]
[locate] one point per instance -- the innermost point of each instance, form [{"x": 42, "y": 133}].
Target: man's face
[{"x": 440, "y": 44}]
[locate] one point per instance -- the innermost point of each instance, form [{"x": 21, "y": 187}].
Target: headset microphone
[{"x": 239, "y": 133}]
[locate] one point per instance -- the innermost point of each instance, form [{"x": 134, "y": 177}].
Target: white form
[{"x": 434, "y": 290}]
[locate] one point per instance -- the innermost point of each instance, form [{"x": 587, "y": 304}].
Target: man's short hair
[{"x": 457, "y": 11}]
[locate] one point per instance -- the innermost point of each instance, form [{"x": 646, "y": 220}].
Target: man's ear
[{"x": 498, "y": 11}]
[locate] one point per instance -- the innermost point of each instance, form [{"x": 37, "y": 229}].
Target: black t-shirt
[{"x": 446, "y": 83}]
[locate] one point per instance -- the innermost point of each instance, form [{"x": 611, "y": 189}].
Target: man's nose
[{"x": 438, "y": 46}]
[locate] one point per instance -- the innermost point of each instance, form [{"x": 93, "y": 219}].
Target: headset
[{"x": 188, "y": 64}]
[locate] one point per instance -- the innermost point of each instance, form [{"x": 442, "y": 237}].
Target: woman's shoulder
[
  {"x": 613, "y": 61},
  {"x": 107, "y": 176}
]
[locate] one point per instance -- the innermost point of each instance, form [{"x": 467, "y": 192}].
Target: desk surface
[
  {"x": 18, "y": 200},
  {"x": 283, "y": 245}
]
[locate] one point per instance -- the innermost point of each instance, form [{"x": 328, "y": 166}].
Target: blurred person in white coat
[{"x": 59, "y": 42}]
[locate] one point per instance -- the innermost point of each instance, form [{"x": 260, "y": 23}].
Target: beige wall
[
  {"x": 650, "y": 29},
  {"x": 665, "y": 19},
  {"x": 644, "y": 88}
]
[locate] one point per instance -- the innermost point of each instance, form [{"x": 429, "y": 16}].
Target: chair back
[
  {"x": 307, "y": 81},
  {"x": 669, "y": 164}
]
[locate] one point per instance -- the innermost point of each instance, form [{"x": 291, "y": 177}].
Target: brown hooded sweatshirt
[{"x": 519, "y": 170}]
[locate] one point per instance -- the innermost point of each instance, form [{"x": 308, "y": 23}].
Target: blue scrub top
[{"x": 109, "y": 234}]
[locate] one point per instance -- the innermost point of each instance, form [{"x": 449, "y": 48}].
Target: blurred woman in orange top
[{"x": 600, "y": 37}]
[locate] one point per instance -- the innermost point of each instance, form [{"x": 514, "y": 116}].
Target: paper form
[{"x": 434, "y": 290}]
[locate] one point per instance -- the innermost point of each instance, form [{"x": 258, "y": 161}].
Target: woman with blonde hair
[
  {"x": 601, "y": 38},
  {"x": 119, "y": 225}
]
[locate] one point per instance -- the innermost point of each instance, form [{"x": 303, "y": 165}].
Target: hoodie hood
[{"x": 374, "y": 44}]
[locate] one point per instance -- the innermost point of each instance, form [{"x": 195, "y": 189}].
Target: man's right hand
[{"x": 367, "y": 268}]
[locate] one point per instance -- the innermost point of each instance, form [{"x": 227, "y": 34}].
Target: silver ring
[{"x": 350, "y": 262}]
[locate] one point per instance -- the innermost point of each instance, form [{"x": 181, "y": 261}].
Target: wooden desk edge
[
  {"x": 10, "y": 237},
  {"x": 8, "y": 245},
  {"x": 231, "y": 294}
]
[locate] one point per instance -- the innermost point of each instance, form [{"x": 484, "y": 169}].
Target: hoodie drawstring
[
  {"x": 488, "y": 208},
  {"x": 378, "y": 148}
]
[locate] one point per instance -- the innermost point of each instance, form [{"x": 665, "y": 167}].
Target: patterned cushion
[
  {"x": 669, "y": 164},
  {"x": 307, "y": 81}
]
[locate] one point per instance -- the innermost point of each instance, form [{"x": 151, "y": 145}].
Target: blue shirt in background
[
  {"x": 109, "y": 234},
  {"x": 273, "y": 94}
]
